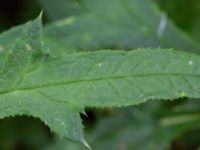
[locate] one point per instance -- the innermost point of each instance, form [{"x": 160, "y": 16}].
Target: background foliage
[{"x": 82, "y": 25}]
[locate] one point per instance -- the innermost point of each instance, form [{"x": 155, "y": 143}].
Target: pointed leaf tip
[
  {"x": 87, "y": 145},
  {"x": 41, "y": 14}
]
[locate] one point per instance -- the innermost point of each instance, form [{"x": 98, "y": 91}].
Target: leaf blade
[
  {"x": 24, "y": 56},
  {"x": 108, "y": 78}
]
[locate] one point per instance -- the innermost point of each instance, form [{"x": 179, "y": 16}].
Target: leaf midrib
[{"x": 98, "y": 79}]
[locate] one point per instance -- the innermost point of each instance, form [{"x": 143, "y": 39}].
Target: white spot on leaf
[
  {"x": 99, "y": 64},
  {"x": 190, "y": 62},
  {"x": 28, "y": 47}
]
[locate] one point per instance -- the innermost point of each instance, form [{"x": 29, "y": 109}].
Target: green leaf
[
  {"x": 24, "y": 56},
  {"x": 55, "y": 89},
  {"x": 15, "y": 63},
  {"x": 119, "y": 24},
  {"x": 116, "y": 78}
]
